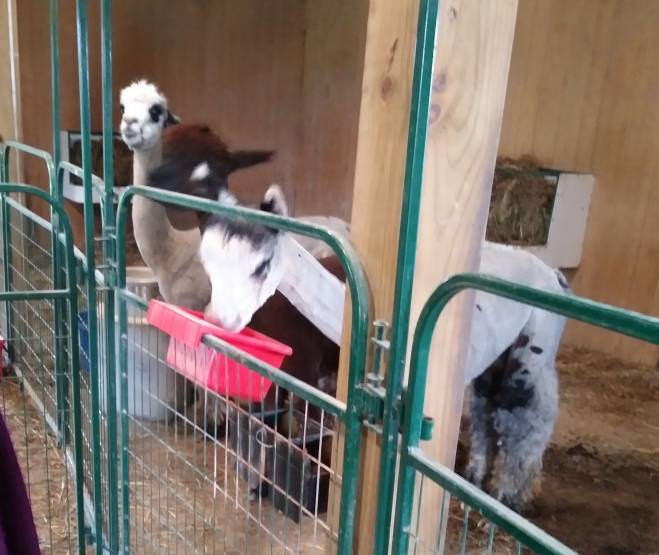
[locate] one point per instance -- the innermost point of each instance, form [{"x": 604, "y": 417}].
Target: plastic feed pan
[{"x": 208, "y": 367}]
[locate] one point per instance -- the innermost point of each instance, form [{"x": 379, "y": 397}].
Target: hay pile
[
  {"x": 50, "y": 487},
  {"x": 123, "y": 161},
  {"x": 521, "y": 203},
  {"x": 186, "y": 495}
]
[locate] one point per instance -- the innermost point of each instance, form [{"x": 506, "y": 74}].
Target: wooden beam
[
  {"x": 474, "y": 45},
  {"x": 377, "y": 195},
  {"x": 469, "y": 85}
]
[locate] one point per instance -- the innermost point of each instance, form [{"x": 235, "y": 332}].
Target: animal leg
[
  {"x": 209, "y": 413},
  {"x": 523, "y": 418},
  {"x": 479, "y": 438}
]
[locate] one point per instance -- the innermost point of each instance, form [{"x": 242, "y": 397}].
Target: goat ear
[
  {"x": 274, "y": 201},
  {"x": 240, "y": 159},
  {"x": 171, "y": 119}
]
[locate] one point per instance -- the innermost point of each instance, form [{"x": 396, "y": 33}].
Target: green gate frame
[
  {"x": 349, "y": 413},
  {"x": 631, "y": 324},
  {"x": 363, "y": 402},
  {"x": 65, "y": 297}
]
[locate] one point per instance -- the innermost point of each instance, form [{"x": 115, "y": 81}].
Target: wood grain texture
[
  {"x": 469, "y": 87},
  {"x": 377, "y": 195},
  {"x": 264, "y": 74},
  {"x": 470, "y": 77},
  {"x": 10, "y": 119},
  {"x": 582, "y": 96}
]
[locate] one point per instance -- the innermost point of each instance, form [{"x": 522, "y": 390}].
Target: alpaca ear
[
  {"x": 171, "y": 119},
  {"x": 274, "y": 201},
  {"x": 239, "y": 159}
]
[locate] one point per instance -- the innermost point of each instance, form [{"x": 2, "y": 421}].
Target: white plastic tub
[{"x": 153, "y": 387}]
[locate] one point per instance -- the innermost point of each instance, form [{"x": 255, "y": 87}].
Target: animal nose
[
  {"x": 232, "y": 325},
  {"x": 129, "y": 121},
  {"x": 228, "y": 323}
]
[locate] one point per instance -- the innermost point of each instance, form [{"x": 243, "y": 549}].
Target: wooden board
[
  {"x": 379, "y": 171},
  {"x": 280, "y": 75},
  {"x": 469, "y": 84},
  {"x": 582, "y": 97}
]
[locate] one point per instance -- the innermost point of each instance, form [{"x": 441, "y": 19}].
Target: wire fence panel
[
  {"x": 203, "y": 472},
  {"x": 463, "y": 518},
  {"x": 37, "y": 395},
  {"x": 210, "y": 475}
]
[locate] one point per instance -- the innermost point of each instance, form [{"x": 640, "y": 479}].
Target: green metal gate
[
  {"x": 414, "y": 464},
  {"x": 174, "y": 486}
]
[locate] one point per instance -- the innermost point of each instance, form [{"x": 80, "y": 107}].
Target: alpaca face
[
  {"x": 244, "y": 262},
  {"x": 144, "y": 115}
]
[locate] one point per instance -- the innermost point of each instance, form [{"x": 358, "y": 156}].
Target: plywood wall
[
  {"x": 8, "y": 122},
  {"x": 265, "y": 74},
  {"x": 583, "y": 95}
]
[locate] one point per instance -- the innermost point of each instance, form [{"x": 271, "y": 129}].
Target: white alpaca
[{"x": 172, "y": 254}]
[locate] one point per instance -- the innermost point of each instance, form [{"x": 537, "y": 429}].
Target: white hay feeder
[{"x": 568, "y": 222}]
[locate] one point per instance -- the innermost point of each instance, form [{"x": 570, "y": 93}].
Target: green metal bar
[
  {"x": 8, "y": 147},
  {"x": 34, "y": 295},
  {"x": 22, "y": 189},
  {"x": 416, "y": 149},
  {"x": 75, "y": 379},
  {"x": 6, "y": 243},
  {"x": 530, "y": 535},
  {"x": 61, "y": 374},
  {"x": 97, "y": 182},
  {"x": 67, "y": 238},
  {"x": 629, "y": 323},
  {"x": 88, "y": 209},
  {"x": 41, "y": 222},
  {"x": 281, "y": 378},
  {"x": 359, "y": 296},
  {"x": 109, "y": 258},
  {"x": 293, "y": 385}
]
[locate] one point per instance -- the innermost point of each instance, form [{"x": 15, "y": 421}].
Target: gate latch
[{"x": 374, "y": 391}]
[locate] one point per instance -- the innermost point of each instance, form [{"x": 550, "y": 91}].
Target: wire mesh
[
  {"x": 89, "y": 450},
  {"x": 28, "y": 389},
  {"x": 467, "y": 529},
  {"x": 211, "y": 475}
]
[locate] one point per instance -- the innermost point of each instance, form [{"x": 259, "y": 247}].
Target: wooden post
[
  {"x": 378, "y": 180},
  {"x": 469, "y": 84},
  {"x": 474, "y": 47}
]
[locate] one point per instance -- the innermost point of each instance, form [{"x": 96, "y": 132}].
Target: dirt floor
[
  {"x": 600, "y": 488},
  {"x": 49, "y": 484},
  {"x": 600, "y": 493}
]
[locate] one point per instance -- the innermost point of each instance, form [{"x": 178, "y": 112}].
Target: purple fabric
[{"x": 18, "y": 534}]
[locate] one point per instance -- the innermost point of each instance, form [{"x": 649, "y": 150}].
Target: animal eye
[
  {"x": 262, "y": 268},
  {"x": 121, "y": 108},
  {"x": 155, "y": 112}
]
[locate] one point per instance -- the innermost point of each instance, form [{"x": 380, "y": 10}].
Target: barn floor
[
  {"x": 601, "y": 486},
  {"x": 49, "y": 484},
  {"x": 599, "y": 494}
]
